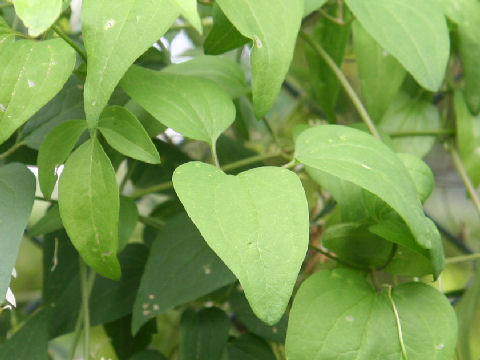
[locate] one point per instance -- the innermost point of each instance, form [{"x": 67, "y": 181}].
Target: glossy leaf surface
[
  {"x": 273, "y": 27},
  {"x": 89, "y": 207},
  {"x": 415, "y": 33},
  {"x": 32, "y": 80},
  {"x": 262, "y": 214}
]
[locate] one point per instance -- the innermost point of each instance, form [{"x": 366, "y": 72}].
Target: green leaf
[
  {"x": 204, "y": 334},
  {"x": 224, "y": 36},
  {"x": 126, "y": 134},
  {"x": 222, "y": 71},
  {"x": 411, "y": 115},
  {"x": 89, "y": 207},
  {"x": 38, "y": 15},
  {"x": 380, "y": 73},
  {"x": 415, "y": 33},
  {"x": 7, "y": 35},
  {"x": 66, "y": 105},
  {"x": 356, "y": 157},
  {"x": 466, "y": 310},
  {"x": 337, "y": 314},
  {"x": 17, "y": 193},
  {"x": 196, "y": 108},
  {"x": 32, "y": 80},
  {"x": 262, "y": 214},
  {"x": 50, "y": 222},
  {"x": 245, "y": 315},
  {"x": 333, "y": 37},
  {"x": 188, "y": 9},
  {"x": 249, "y": 347},
  {"x": 30, "y": 342},
  {"x": 273, "y": 27},
  {"x": 468, "y": 138},
  {"x": 127, "y": 220},
  {"x": 180, "y": 268},
  {"x": 148, "y": 355},
  {"x": 312, "y": 5},
  {"x": 420, "y": 173},
  {"x": 55, "y": 149},
  {"x": 115, "y": 36}
]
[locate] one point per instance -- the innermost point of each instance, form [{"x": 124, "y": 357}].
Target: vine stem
[
  {"x": 462, "y": 258},
  {"x": 215, "y": 161},
  {"x": 343, "y": 80},
  {"x": 85, "y": 308},
  {"x": 465, "y": 178},
  {"x": 10, "y": 151},
  {"x": 399, "y": 325},
  {"x": 70, "y": 42}
]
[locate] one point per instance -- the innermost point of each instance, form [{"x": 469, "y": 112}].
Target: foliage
[{"x": 231, "y": 203}]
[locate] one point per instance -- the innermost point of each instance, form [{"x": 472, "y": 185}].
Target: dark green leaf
[
  {"x": 17, "y": 193},
  {"x": 420, "y": 173},
  {"x": 55, "y": 149},
  {"x": 89, "y": 207},
  {"x": 248, "y": 347},
  {"x": 204, "y": 334},
  {"x": 262, "y": 214},
  {"x": 50, "y": 222},
  {"x": 127, "y": 220},
  {"x": 148, "y": 355},
  {"x": 180, "y": 268},
  {"x": 126, "y": 134}
]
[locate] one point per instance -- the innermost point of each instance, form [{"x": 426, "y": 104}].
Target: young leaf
[
  {"x": 359, "y": 158},
  {"x": 89, "y": 207},
  {"x": 194, "y": 107},
  {"x": 338, "y": 312},
  {"x": 261, "y": 214},
  {"x": 37, "y": 15},
  {"x": 180, "y": 268},
  {"x": 32, "y": 80},
  {"x": 126, "y": 134},
  {"x": 414, "y": 32},
  {"x": 312, "y": 5},
  {"x": 407, "y": 114},
  {"x": 380, "y": 73},
  {"x": 468, "y": 138},
  {"x": 204, "y": 334},
  {"x": 273, "y": 27},
  {"x": 188, "y": 9},
  {"x": 250, "y": 347},
  {"x": 54, "y": 150},
  {"x": 224, "y": 36},
  {"x": 222, "y": 71},
  {"x": 17, "y": 193},
  {"x": 115, "y": 35}
]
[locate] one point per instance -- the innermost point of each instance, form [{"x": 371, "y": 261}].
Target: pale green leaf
[
  {"x": 125, "y": 133},
  {"x": 380, "y": 73},
  {"x": 222, "y": 71},
  {"x": 359, "y": 158},
  {"x": 7, "y": 35},
  {"x": 262, "y": 214},
  {"x": 196, "y": 108},
  {"x": 55, "y": 149},
  {"x": 188, "y": 9},
  {"x": 204, "y": 334},
  {"x": 116, "y": 34},
  {"x": 29, "y": 82},
  {"x": 414, "y": 32},
  {"x": 180, "y": 268},
  {"x": 411, "y": 115},
  {"x": 89, "y": 207},
  {"x": 273, "y": 27},
  {"x": 38, "y": 15},
  {"x": 312, "y": 5},
  {"x": 468, "y": 138},
  {"x": 338, "y": 314},
  {"x": 17, "y": 192}
]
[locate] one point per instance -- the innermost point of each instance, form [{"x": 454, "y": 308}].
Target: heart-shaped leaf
[
  {"x": 256, "y": 222},
  {"x": 195, "y": 107},
  {"x": 17, "y": 193},
  {"x": 32, "y": 80},
  {"x": 89, "y": 207},
  {"x": 273, "y": 27},
  {"x": 116, "y": 34},
  {"x": 338, "y": 314},
  {"x": 414, "y": 32}
]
